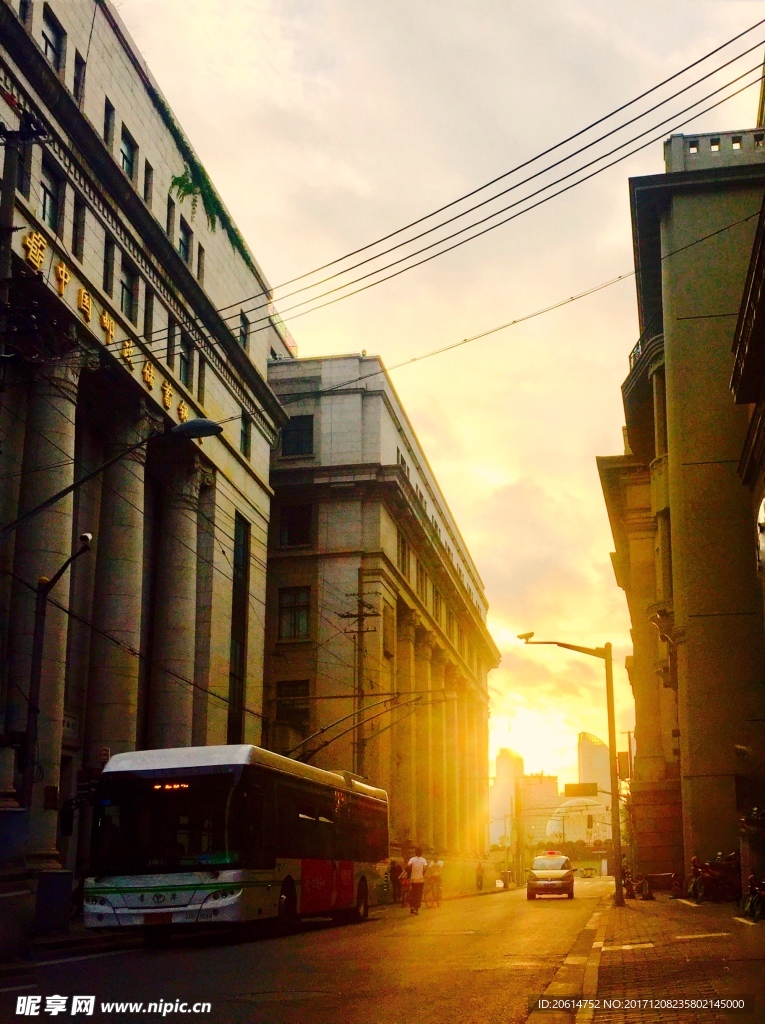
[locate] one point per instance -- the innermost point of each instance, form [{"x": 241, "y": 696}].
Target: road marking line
[
  {"x": 90, "y": 956},
  {"x": 17, "y": 988},
  {"x": 597, "y": 945},
  {"x": 745, "y": 920},
  {"x": 631, "y": 945},
  {"x": 705, "y": 935},
  {"x": 688, "y": 903},
  {"x": 575, "y": 961}
]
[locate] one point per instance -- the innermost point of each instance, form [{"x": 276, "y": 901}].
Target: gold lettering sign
[
  {"x": 167, "y": 394},
  {"x": 107, "y": 326},
  {"x": 35, "y": 245},
  {"x": 85, "y": 304},
  {"x": 183, "y": 411},
  {"x": 126, "y": 351},
  {"x": 63, "y": 277},
  {"x": 148, "y": 375}
]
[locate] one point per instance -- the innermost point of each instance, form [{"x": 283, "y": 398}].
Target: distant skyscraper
[
  {"x": 502, "y": 793},
  {"x": 594, "y": 765}
]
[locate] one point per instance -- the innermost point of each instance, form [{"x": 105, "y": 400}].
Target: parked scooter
[
  {"x": 718, "y": 880},
  {"x": 753, "y": 901}
]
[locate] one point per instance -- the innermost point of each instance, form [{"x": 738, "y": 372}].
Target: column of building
[
  {"x": 423, "y": 654},
  {"x": 112, "y": 699},
  {"x": 403, "y": 808},
  {"x": 452, "y": 796},
  {"x": 438, "y": 748},
  {"x": 42, "y": 546},
  {"x": 463, "y": 771},
  {"x": 173, "y": 649}
]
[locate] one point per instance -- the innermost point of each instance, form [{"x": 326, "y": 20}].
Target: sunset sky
[{"x": 328, "y": 124}]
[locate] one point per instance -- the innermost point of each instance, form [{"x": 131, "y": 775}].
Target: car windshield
[
  {"x": 146, "y": 824},
  {"x": 550, "y": 864}
]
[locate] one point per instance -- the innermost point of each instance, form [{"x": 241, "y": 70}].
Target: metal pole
[
  {"x": 7, "y": 206},
  {"x": 35, "y": 680},
  {"x": 360, "y": 673},
  {"x": 615, "y": 811}
]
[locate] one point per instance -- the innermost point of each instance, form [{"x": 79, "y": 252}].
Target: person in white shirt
[
  {"x": 435, "y": 871},
  {"x": 416, "y": 869}
]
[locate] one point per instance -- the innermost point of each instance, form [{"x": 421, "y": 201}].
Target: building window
[
  {"x": 437, "y": 606},
  {"x": 294, "y": 610},
  {"x": 244, "y": 331},
  {"x": 297, "y": 436},
  {"x": 240, "y": 601},
  {"x": 24, "y": 172},
  {"x": 148, "y": 183},
  {"x": 295, "y": 525},
  {"x": 201, "y": 265},
  {"x": 108, "y": 281},
  {"x": 185, "y": 242},
  {"x": 245, "y": 435},
  {"x": 422, "y": 583},
  {"x": 201, "y": 371},
  {"x": 50, "y": 188},
  {"x": 53, "y": 40},
  {"x": 292, "y": 705},
  {"x": 148, "y": 315},
  {"x": 79, "y": 78},
  {"x": 25, "y": 11},
  {"x": 403, "y": 555},
  {"x": 109, "y": 124},
  {"x": 402, "y": 462},
  {"x": 450, "y": 623},
  {"x": 170, "y": 222},
  {"x": 172, "y": 331},
  {"x": 186, "y": 362},
  {"x": 128, "y": 291},
  {"x": 78, "y": 228},
  {"x": 128, "y": 154},
  {"x": 389, "y": 631}
]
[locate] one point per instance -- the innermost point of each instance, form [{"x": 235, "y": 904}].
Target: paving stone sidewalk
[{"x": 675, "y": 949}]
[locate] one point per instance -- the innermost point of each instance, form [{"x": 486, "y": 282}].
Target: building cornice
[{"x": 91, "y": 151}]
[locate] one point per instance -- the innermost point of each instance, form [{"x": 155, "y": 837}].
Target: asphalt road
[{"x": 471, "y": 960}]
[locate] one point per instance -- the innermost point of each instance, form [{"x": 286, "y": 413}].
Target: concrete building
[
  {"x": 504, "y": 795},
  {"x": 540, "y": 800},
  {"x": 131, "y": 311},
  {"x": 377, "y": 647},
  {"x": 594, "y": 765},
  {"x": 684, "y": 526}
]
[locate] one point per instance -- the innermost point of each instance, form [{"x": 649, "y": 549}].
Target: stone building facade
[
  {"x": 683, "y": 521},
  {"x": 131, "y": 310},
  {"x": 377, "y": 650}
]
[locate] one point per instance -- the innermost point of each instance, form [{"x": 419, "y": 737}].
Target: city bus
[{"x": 222, "y": 834}]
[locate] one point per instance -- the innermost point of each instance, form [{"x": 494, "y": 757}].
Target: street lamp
[
  {"x": 604, "y": 653},
  {"x": 199, "y": 427},
  {"x": 44, "y": 587}
]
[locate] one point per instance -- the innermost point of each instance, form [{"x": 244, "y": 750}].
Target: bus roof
[{"x": 235, "y": 754}]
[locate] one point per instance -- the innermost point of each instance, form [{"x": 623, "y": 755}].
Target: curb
[{"x": 577, "y": 977}]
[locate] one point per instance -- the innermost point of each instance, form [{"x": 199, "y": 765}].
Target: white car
[{"x": 551, "y": 874}]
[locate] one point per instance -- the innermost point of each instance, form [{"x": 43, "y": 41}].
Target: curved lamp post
[{"x": 604, "y": 653}]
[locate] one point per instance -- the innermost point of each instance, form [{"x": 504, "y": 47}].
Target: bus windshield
[{"x": 149, "y": 824}]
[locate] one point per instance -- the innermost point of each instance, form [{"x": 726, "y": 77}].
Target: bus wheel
[
  {"x": 287, "y": 915},
  {"x": 361, "y": 911}
]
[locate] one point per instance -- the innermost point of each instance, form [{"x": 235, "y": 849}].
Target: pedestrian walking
[
  {"x": 416, "y": 869},
  {"x": 396, "y": 871},
  {"x": 435, "y": 871},
  {"x": 479, "y": 876}
]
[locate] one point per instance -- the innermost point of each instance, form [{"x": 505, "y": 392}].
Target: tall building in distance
[
  {"x": 504, "y": 796},
  {"x": 114, "y": 335},
  {"x": 377, "y": 649},
  {"x": 595, "y": 765}
]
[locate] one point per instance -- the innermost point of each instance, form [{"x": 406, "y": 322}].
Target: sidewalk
[
  {"x": 658, "y": 950},
  {"x": 676, "y": 949}
]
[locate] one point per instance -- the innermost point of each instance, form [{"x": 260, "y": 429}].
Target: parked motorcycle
[
  {"x": 753, "y": 901},
  {"x": 717, "y": 880}
]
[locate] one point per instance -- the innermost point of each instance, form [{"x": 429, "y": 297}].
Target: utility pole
[
  {"x": 359, "y": 731},
  {"x": 629, "y": 734},
  {"x": 29, "y": 130}
]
